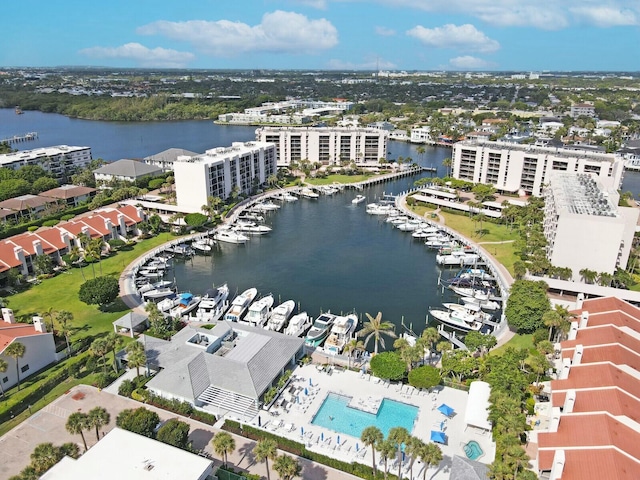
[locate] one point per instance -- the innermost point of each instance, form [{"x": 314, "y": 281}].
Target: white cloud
[
  {"x": 278, "y": 32},
  {"x": 385, "y": 32},
  {"x": 463, "y": 37},
  {"x": 373, "y": 64},
  {"x": 319, "y": 4},
  {"x": 467, "y": 62},
  {"x": 143, "y": 56},
  {"x": 606, "y": 16}
]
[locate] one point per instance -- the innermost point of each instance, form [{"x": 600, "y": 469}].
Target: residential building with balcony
[
  {"x": 584, "y": 226},
  {"x": 61, "y": 161},
  {"x": 215, "y": 173},
  {"x": 582, "y": 109},
  {"x": 524, "y": 169},
  {"x": 326, "y": 145}
]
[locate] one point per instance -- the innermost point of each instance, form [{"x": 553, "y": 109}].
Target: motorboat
[
  {"x": 396, "y": 219},
  {"x": 280, "y": 315},
  {"x": 298, "y": 325},
  {"x": 484, "y": 304},
  {"x": 158, "y": 293},
  {"x": 474, "y": 310},
  {"x": 240, "y": 304},
  {"x": 409, "y": 226},
  {"x": 148, "y": 286},
  {"x": 203, "y": 245},
  {"x": 152, "y": 271},
  {"x": 457, "y": 257},
  {"x": 457, "y": 319},
  {"x": 259, "y": 312},
  {"x": 307, "y": 192},
  {"x": 251, "y": 228},
  {"x": 477, "y": 290},
  {"x": 342, "y": 331},
  {"x": 320, "y": 329},
  {"x": 438, "y": 241},
  {"x": 328, "y": 190},
  {"x": 213, "y": 304},
  {"x": 358, "y": 199},
  {"x": 230, "y": 236},
  {"x": 181, "y": 249},
  {"x": 267, "y": 206},
  {"x": 425, "y": 232},
  {"x": 379, "y": 209},
  {"x": 168, "y": 303},
  {"x": 187, "y": 303},
  {"x": 251, "y": 217}
]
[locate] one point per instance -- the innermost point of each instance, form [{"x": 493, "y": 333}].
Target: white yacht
[
  {"x": 252, "y": 228},
  {"x": 280, "y": 315},
  {"x": 240, "y": 305},
  {"x": 186, "y": 305},
  {"x": 204, "y": 245},
  {"x": 484, "y": 304},
  {"x": 158, "y": 293},
  {"x": 148, "y": 286},
  {"x": 298, "y": 325},
  {"x": 358, "y": 199},
  {"x": 251, "y": 217},
  {"x": 307, "y": 192},
  {"x": 409, "y": 226},
  {"x": 168, "y": 303},
  {"x": 456, "y": 319},
  {"x": 213, "y": 304},
  {"x": 267, "y": 206},
  {"x": 457, "y": 257},
  {"x": 380, "y": 209},
  {"x": 320, "y": 329},
  {"x": 259, "y": 312},
  {"x": 229, "y": 236},
  {"x": 342, "y": 331},
  {"x": 474, "y": 310}
]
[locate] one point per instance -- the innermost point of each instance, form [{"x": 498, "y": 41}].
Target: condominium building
[
  {"x": 524, "y": 169},
  {"x": 582, "y": 109},
  {"x": 218, "y": 171},
  {"x": 329, "y": 146},
  {"x": 61, "y": 160},
  {"x": 584, "y": 226}
]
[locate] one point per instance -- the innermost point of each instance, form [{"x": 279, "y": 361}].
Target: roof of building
[
  {"x": 11, "y": 331},
  {"x": 68, "y": 191},
  {"x": 170, "y": 155},
  {"x": 131, "y": 320},
  {"x": 128, "y": 168},
  {"x": 597, "y": 375},
  {"x": 595, "y": 464},
  {"x": 612, "y": 400},
  {"x": 5, "y": 212},
  {"x": 580, "y": 193},
  {"x": 25, "y": 202},
  {"x": 245, "y": 365},
  {"x": 128, "y": 456},
  {"x": 43, "y": 152},
  {"x": 465, "y": 469},
  {"x": 477, "y": 411}
]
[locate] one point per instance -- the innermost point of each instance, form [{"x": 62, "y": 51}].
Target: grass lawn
[
  {"x": 518, "y": 342},
  {"x": 61, "y": 292},
  {"x": 338, "y": 178}
]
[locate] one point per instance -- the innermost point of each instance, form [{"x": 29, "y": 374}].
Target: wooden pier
[
  {"x": 451, "y": 336},
  {"x": 20, "y": 138}
]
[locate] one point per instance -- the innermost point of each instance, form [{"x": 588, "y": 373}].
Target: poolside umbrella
[
  {"x": 338, "y": 439},
  {"x": 301, "y": 431},
  {"x": 297, "y": 398},
  {"x": 357, "y": 447},
  {"x": 438, "y": 437},
  {"x": 310, "y": 382},
  {"x": 306, "y": 392},
  {"x": 322, "y": 436},
  {"x": 446, "y": 410},
  {"x": 259, "y": 421}
]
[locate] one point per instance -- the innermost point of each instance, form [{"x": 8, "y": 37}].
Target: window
[
  {"x": 5, "y": 379},
  {"x": 24, "y": 368}
]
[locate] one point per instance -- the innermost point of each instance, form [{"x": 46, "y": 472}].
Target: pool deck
[{"x": 290, "y": 417}]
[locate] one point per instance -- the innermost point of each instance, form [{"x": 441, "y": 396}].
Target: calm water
[{"x": 335, "y": 414}]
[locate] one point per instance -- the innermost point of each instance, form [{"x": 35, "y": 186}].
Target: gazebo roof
[{"x": 131, "y": 320}]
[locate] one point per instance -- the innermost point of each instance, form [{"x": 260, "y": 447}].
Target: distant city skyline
[{"x": 484, "y": 35}]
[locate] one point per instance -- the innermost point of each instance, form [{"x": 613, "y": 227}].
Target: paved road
[{"x": 47, "y": 425}]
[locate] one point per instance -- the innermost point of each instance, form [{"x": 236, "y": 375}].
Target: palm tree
[
  {"x": 265, "y": 450},
  {"x": 3, "y": 368},
  {"x": 413, "y": 447},
  {"x": 409, "y": 354},
  {"x": 113, "y": 342},
  {"x": 75, "y": 254},
  {"x": 16, "y": 350},
  {"x": 372, "y": 436},
  {"x": 45, "y": 456},
  {"x": 223, "y": 443},
  {"x": 552, "y": 319},
  {"x": 386, "y": 448},
  {"x": 64, "y": 318},
  {"x": 375, "y": 328},
  {"x": 399, "y": 436},
  {"x": 136, "y": 356},
  {"x": 92, "y": 251},
  {"x": 428, "y": 340},
  {"x": 354, "y": 345},
  {"x": 76, "y": 423},
  {"x": 99, "y": 347},
  {"x": 287, "y": 467},
  {"x": 98, "y": 417},
  {"x": 447, "y": 163},
  {"x": 50, "y": 313},
  {"x": 95, "y": 247},
  {"x": 430, "y": 455}
]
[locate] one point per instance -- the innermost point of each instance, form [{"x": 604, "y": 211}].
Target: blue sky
[{"x": 522, "y": 35}]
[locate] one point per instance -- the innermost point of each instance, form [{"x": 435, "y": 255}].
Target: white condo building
[
  {"x": 61, "y": 160},
  {"x": 327, "y": 145},
  {"x": 524, "y": 169},
  {"x": 217, "y": 171},
  {"x": 584, "y": 226}
]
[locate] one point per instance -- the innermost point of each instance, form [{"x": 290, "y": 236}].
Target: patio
[{"x": 293, "y": 413}]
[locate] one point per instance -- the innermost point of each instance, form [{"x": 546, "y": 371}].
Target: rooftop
[
  {"x": 236, "y": 149},
  {"x": 128, "y": 168},
  {"x": 580, "y": 194}
]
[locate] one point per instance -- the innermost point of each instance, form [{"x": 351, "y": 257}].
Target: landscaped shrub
[
  {"x": 140, "y": 394},
  {"x": 50, "y": 223},
  {"x": 126, "y": 388},
  {"x": 33, "y": 228},
  {"x": 104, "y": 379}
]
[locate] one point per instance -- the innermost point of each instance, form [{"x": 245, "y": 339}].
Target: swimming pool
[
  {"x": 335, "y": 414},
  {"x": 472, "y": 450}
]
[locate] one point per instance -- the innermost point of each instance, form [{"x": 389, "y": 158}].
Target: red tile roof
[
  {"x": 52, "y": 236},
  {"x": 595, "y": 464},
  {"x": 598, "y": 375},
  {"x": 611, "y": 400},
  {"x": 131, "y": 214},
  {"x": 608, "y": 304},
  {"x": 10, "y": 331},
  {"x": 601, "y": 335}
]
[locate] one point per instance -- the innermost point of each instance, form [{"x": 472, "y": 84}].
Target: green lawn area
[
  {"x": 518, "y": 342},
  {"x": 338, "y": 179},
  {"x": 61, "y": 292}
]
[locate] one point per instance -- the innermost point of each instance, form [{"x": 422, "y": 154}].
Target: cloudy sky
[{"x": 519, "y": 35}]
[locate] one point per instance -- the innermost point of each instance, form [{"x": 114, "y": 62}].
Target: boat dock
[
  {"x": 20, "y": 138},
  {"x": 451, "y": 337}
]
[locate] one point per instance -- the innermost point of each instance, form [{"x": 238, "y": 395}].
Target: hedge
[{"x": 299, "y": 449}]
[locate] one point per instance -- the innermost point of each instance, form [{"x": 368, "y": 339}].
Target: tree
[
  {"x": 476, "y": 341},
  {"x": 45, "y": 456},
  {"x": 527, "y": 303},
  {"x": 195, "y": 220},
  {"x": 287, "y": 467},
  {"x": 388, "y": 366},
  {"x": 431, "y": 455},
  {"x": 447, "y": 163},
  {"x": 413, "y": 447},
  {"x": 76, "y": 256},
  {"x": 174, "y": 432},
  {"x": 113, "y": 343},
  {"x": 50, "y": 313},
  {"x": 136, "y": 356},
  {"x": 386, "y": 448},
  {"x": 425, "y": 376},
  {"x": 372, "y": 436},
  {"x": 65, "y": 318},
  {"x": 3, "y": 368},
  {"x": 399, "y": 436},
  {"x": 16, "y": 350},
  {"x": 97, "y": 418},
  {"x": 43, "y": 184},
  {"x": 77, "y": 422},
  {"x": 43, "y": 265},
  {"x": 140, "y": 421},
  {"x": 92, "y": 251},
  {"x": 99, "y": 291},
  {"x": 223, "y": 443},
  {"x": 265, "y": 450},
  {"x": 100, "y": 347},
  {"x": 354, "y": 345},
  {"x": 375, "y": 328},
  {"x": 483, "y": 192}
]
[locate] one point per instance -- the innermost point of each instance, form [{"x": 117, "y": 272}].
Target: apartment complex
[
  {"x": 329, "y": 146},
  {"x": 61, "y": 160},
  {"x": 594, "y": 430},
  {"x": 584, "y": 226},
  {"x": 218, "y": 171},
  {"x": 582, "y": 109},
  {"x": 524, "y": 169}
]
